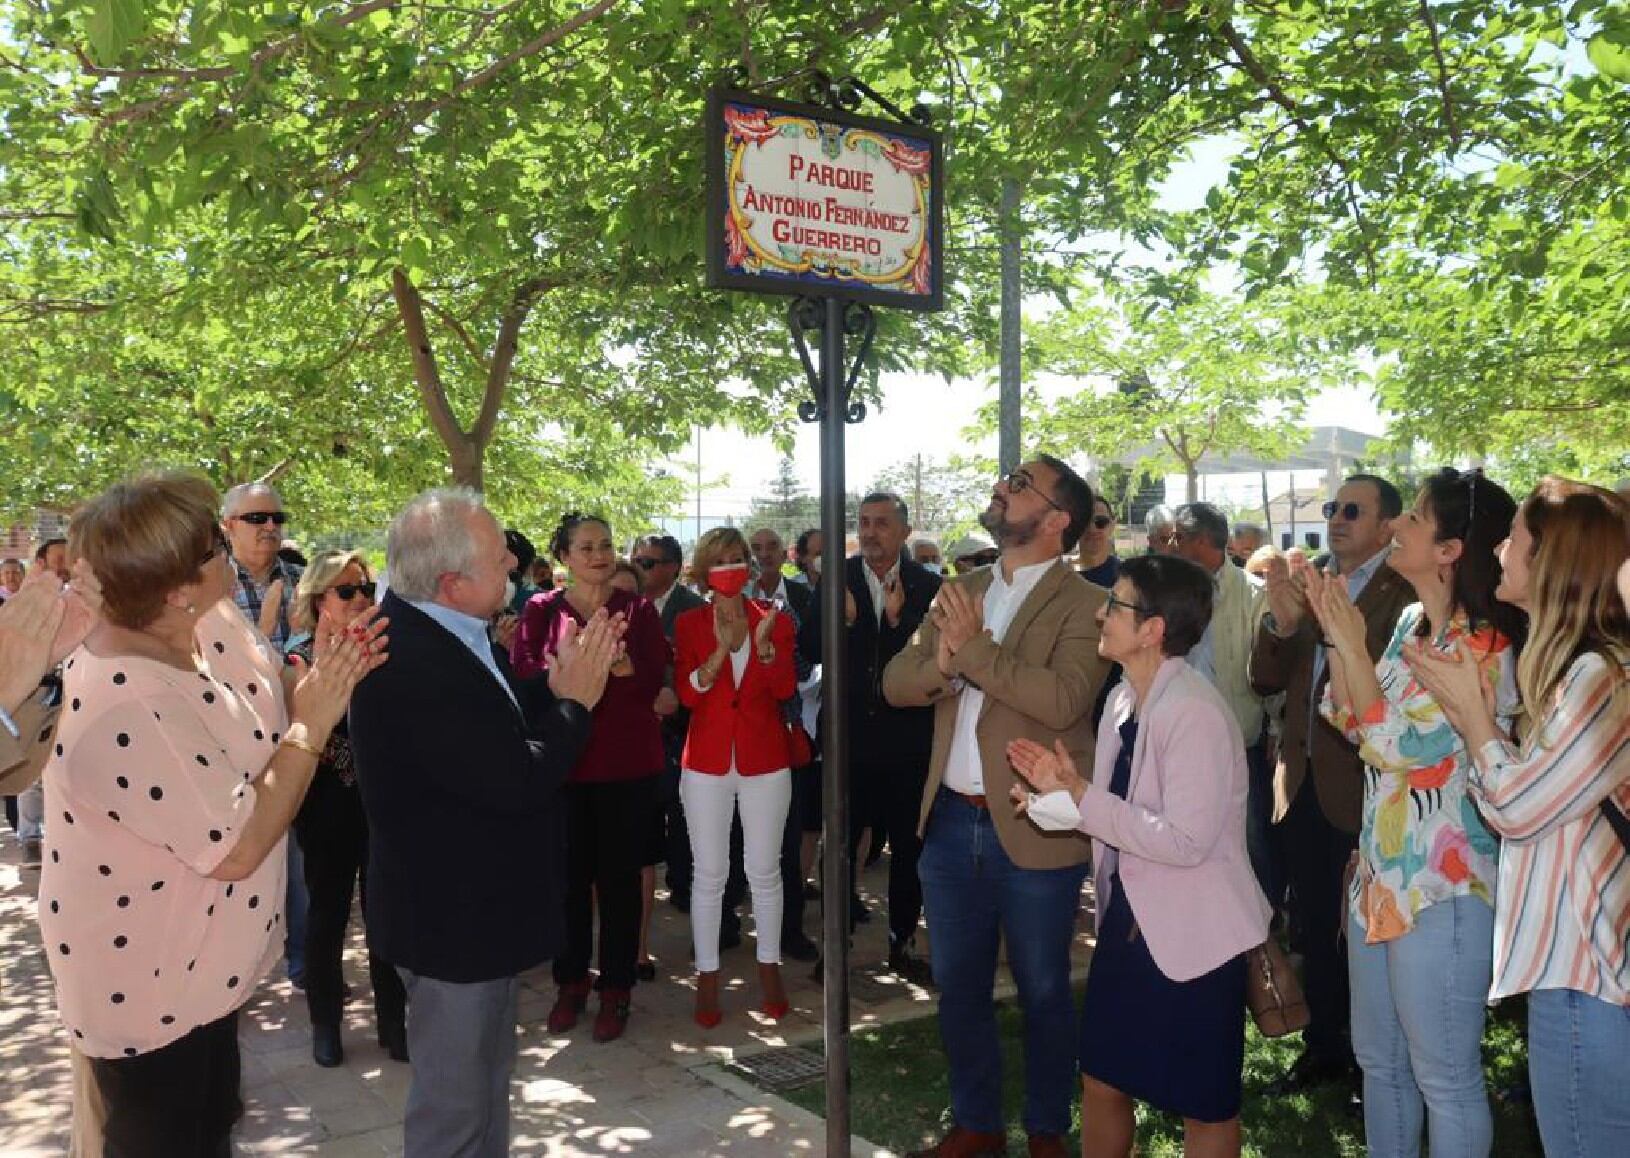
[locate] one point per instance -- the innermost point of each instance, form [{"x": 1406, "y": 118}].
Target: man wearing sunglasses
[
  {"x": 1007, "y": 652},
  {"x": 253, "y": 517},
  {"x": 1318, "y": 785}
]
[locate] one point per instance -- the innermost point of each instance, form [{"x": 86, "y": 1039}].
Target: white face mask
[
  {"x": 1054, "y": 812},
  {"x": 933, "y": 568},
  {"x": 509, "y": 592},
  {"x": 815, "y": 566}
]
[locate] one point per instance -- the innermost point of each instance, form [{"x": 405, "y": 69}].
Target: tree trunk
[
  {"x": 1012, "y": 289},
  {"x": 466, "y": 449}
]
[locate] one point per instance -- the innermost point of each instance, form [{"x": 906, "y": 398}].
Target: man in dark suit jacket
[
  {"x": 887, "y": 597},
  {"x": 441, "y": 744},
  {"x": 658, "y": 559},
  {"x": 1318, "y": 778}
]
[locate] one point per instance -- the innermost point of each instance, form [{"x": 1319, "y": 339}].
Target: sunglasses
[
  {"x": 646, "y": 563},
  {"x": 349, "y": 591},
  {"x": 1348, "y": 511},
  {"x": 1019, "y": 481},
  {"x": 261, "y": 518},
  {"x": 1099, "y": 522},
  {"x": 1116, "y": 601}
]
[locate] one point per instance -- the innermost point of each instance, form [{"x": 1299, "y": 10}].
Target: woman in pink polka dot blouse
[{"x": 182, "y": 754}]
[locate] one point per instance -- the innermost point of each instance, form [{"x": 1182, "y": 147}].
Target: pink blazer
[{"x": 1178, "y": 838}]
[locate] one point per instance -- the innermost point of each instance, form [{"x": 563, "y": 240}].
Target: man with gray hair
[
  {"x": 442, "y": 744},
  {"x": 1248, "y": 539},
  {"x": 1159, "y": 525},
  {"x": 253, "y": 517}
]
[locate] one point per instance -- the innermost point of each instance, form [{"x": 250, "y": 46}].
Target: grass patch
[{"x": 900, "y": 1096}]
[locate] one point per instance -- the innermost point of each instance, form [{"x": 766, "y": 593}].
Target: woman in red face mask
[{"x": 733, "y": 665}]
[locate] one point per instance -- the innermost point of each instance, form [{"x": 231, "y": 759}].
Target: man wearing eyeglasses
[
  {"x": 658, "y": 559},
  {"x": 1318, "y": 785},
  {"x": 254, "y": 519},
  {"x": 1008, "y": 651}
]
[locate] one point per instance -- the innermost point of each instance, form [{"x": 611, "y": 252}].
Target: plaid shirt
[{"x": 250, "y": 596}]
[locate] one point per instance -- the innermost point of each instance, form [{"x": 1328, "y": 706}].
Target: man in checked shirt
[{"x": 253, "y": 517}]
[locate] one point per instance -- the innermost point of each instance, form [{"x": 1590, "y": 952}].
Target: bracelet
[{"x": 291, "y": 742}]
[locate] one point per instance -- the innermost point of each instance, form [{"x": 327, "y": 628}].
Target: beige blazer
[{"x": 1041, "y": 681}]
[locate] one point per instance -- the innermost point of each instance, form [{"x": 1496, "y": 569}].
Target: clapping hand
[
  {"x": 959, "y": 614},
  {"x": 761, "y": 636},
  {"x": 1456, "y": 680},
  {"x": 270, "y": 607},
  {"x": 1044, "y": 770},
  {"x": 730, "y": 623},
  {"x": 1339, "y": 617},
  {"x": 1287, "y": 598},
  {"x": 894, "y": 599},
  {"x": 341, "y": 658},
  {"x": 585, "y": 656}
]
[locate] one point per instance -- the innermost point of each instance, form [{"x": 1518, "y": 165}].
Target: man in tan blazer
[
  {"x": 1007, "y": 651},
  {"x": 1318, "y": 780}
]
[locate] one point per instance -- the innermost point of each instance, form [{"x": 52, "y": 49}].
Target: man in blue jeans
[{"x": 1006, "y": 651}]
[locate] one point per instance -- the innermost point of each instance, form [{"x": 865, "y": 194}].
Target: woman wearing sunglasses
[
  {"x": 333, "y": 831},
  {"x": 1097, "y": 561}
]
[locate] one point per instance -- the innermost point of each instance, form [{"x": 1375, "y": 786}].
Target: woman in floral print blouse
[{"x": 1420, "y": 934}]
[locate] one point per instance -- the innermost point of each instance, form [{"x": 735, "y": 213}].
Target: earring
[{"x": 191, "y": 610}]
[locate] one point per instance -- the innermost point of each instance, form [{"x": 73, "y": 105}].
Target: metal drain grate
[{"x": 785, "y": 1068}]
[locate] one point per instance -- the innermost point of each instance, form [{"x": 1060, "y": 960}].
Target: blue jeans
[
  {"x": 296, "y": 900},
  {"x": 1578, "y": 1057},
  {"x": 1418, "y": 1008},
  {"x": 974, "y": 895}
]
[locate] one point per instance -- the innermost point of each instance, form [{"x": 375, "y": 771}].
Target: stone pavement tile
[{"x": 373, "y": 1144}]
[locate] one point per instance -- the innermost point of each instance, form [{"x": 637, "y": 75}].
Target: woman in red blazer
[{"x": 733, "y": 665}]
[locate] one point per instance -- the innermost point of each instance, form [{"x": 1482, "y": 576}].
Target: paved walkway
[{"x": 663, "y": 1089}]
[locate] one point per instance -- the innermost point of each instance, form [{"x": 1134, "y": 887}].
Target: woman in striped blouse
[
  {"x": 1562, "y": 908},
  {"x": 1421, "y": 924}
]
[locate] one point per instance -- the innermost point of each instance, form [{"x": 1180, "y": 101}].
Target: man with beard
[
  {"x": 886, "y": 599},
  {"x": 1008, "y": 651}
]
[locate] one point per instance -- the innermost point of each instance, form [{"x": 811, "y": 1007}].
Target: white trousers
[{"x": 710, "y": 802}]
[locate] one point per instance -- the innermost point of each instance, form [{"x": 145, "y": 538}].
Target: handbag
[{"x": 1272, "y": 992}]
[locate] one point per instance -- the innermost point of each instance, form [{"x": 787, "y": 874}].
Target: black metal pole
[{"x": 834, "y": 735}]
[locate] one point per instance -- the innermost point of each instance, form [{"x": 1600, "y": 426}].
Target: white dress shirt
[
  {"x": 876, "y": 585},
  {"x": 964, "y": 771}
]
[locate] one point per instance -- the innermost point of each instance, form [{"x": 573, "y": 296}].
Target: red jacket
[{"x": 726, "y": 720}]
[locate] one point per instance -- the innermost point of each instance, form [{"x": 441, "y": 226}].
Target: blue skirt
[{"x": 1178, "y": 1046}]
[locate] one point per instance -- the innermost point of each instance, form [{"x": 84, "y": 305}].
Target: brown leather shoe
[
  {"x": 1047, "y": 1146},
  {"x": 960, "y": 1143}
]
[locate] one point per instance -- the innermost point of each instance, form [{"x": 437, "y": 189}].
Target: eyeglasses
[
  {"x": 261, "y": 518},
  {"x": 349, "y": 591},
  {"x": 1019, "y": 480},
  {"x": 1348, "y": 511},
  {"x": 1116, "y": 601},
  {"x": 218, "y": 544},
  {"x": 1099, "y": 522},
  {"x": 647, "y": 563}
]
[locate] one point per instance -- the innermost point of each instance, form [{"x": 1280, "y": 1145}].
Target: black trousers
[
  {"x": 792, "y": 844},
  {"x": 1316, "y": 853},
  {"x": 887, "y": 798},
  {"x": 607, "y": 831},
  {"x": 177, "y": 1102},
  {"x": 333, "y": 833}
]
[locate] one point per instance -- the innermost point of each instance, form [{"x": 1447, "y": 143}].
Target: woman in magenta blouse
[{"x": 614, "y": 788}]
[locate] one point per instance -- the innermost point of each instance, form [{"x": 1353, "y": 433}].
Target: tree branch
[
  {"x": 503, "y": 360},
  {"x": 425, "y": 374},
  {"x": 1254, "y": 69},
  {"x": 452, "y": 323},
  {"x": 1443, "y": 74}
]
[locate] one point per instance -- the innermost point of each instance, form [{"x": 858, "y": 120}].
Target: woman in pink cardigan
[{"x": 1164, "y": 1017}]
